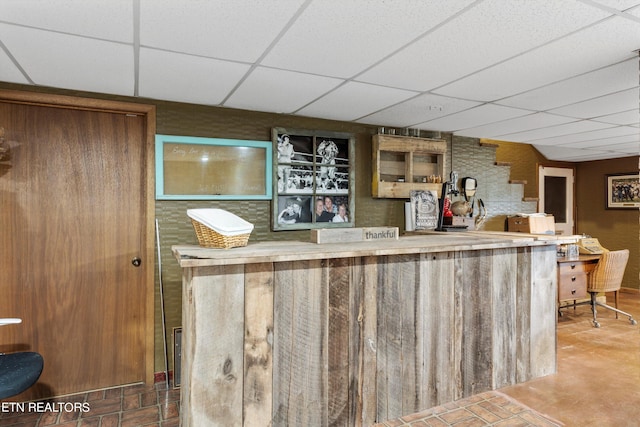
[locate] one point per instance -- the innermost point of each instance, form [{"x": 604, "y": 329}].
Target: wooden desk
[{"x": 572, "y": 277}]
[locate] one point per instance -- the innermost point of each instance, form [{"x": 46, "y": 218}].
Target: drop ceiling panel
[
  {"x": 608, "y": 42},
  {"x": 629, "y": 118},
  {"x": 342, "y": 38},
  {"x": 418, "y": 110},
  {"x": 618, "y": 4},
  {"x": 573, "y": 155},
  {"x": 588, "y": 135},
  {"x": 615, "y": 102},
  {"x": 519, "y": 124},
  {"x": 8, "y": 70},
  {"x": 271, "y": 89},
  {"x": 553, "y": 131},
  {"x": 631, "y": 148},
  {"x": 608, "y": 143},
  {"x": 354, "y": 100},
  {"x": 234, "y": 30},
  {"x": 104, "y": 19},
  {"x": 407, "y": 63},
  {"x": 71, "y": 62},
  {"x": 590, "y": 85},
  {"x": 476, "y": 40},
  {"x": 618, "y": 143},
  {"x": 476, "y": 116},
  {"x": 187, "y": 78}
]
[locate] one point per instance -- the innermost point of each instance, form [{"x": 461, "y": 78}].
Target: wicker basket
[
  {"x": 210, "y": 238},
  {"x": 217, "y": 228}
]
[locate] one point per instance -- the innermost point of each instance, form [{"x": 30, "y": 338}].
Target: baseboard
[{"x": 629, "y": 290}]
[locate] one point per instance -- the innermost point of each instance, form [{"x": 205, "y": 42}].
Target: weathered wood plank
[
  {"x": 337, "y": 276},
  {"x": 336, "y": 235},
  {"x": 397, "y": 354},
  {"x": 383, "y": 294},
  {"x": 422, "y": 242},
  {"x": 368, "y": 358},
  {"x": 436, "y": 320},
  {"x": 523, "y": 316},
  {"x": 504, "y": 279},
  {"x": 215, "y": 371},
  {"x": 544, "y": 291},
  {"x": 300, "y": 343},
  {"x": 188, "y": 344},
  {"x": 258, "y": 340},
  {"x": 356, "y": 340},
  {"x": 408, "y": 283},
  {"x": 475, "y": 281}
]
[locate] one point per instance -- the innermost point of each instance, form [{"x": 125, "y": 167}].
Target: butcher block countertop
[{"x": 416, "y": 242}]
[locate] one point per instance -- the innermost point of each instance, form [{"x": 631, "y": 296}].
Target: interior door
[
  {"x": 555, "y": 186},
  {"x": 73, "y": 216}
]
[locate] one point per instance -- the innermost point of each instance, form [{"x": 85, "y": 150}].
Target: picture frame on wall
[
  {"x": 199, "y": 168},
  {"x": 623, "y": 191},
  {"x": 312, "y": 179}
]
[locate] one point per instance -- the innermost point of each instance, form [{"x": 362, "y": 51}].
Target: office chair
[
  {"x": 607, "y": 277},
  {"x": 18, "y": 371}
]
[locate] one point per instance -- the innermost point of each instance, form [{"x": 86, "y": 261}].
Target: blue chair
[{"x": 18, "y": 371}]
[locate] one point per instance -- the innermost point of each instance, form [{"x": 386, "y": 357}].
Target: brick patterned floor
[
  {"x": 485, "y": 409},
  {"x": 134, "y": 406},
  {"x": 128, "y": 406}
]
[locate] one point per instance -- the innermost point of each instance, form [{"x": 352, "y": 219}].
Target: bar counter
[{"x": 350, "y": 334}]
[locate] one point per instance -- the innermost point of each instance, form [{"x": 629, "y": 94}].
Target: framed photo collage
[{"x": 312, "y": 179}]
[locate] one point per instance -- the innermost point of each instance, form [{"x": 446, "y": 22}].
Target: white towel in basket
[{"x": 223, "y": 222}]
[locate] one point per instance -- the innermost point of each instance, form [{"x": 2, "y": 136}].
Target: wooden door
[
  {"x": 74, "y": 212},
  {"x": 555, "y": 186}
]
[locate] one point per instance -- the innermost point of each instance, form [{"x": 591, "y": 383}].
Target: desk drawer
[
  {"x": 572, "y": 286},
  {"x": 576, "y": 267}
]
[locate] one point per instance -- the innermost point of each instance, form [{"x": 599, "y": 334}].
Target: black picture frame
[
  {"x": 313, "y": 179},
  {"x": 622, "y": 191}
]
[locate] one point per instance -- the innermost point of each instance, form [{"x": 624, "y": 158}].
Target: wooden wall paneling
[
  {"x": 438, "y": 332},
  {"x": 355, "y": 313},
  {"x": 188, "y": 346},
  {"x": 504, "y": 271},
  {"x": 361, "y": 340},
  {"x": 523, "y": 315},
  {"x": 396, "y": 336},
  {"x": 459, "y": 296},
  {"x": 258, "y": 340},
  {"x": 544, "y": 294},
  {"x": 300, "y": 343},
  {"x": 368, "y": 360},
  {"x": 475, "y": 286},
  {"x": 336, "y": 274},
  {"x": 408, "y": 308},
  {"x": 383, "y": 324},
  {"x": 215, "y": 374}
]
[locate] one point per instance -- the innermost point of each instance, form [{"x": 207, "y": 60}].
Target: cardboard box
[{"x": 532, "y": 224}]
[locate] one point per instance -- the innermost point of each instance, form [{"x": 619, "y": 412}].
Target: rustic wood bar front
[{"x": 302, "y": 334}]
